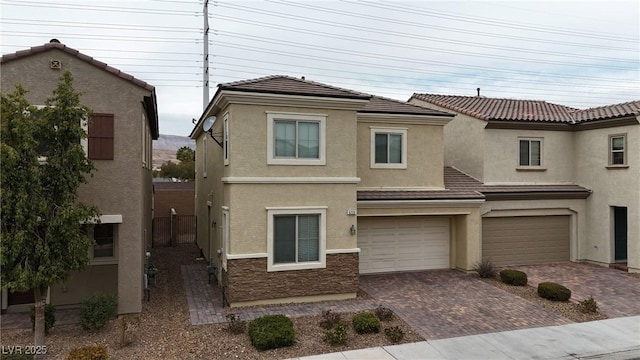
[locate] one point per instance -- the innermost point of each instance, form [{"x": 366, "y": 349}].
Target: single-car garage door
[
  {"x": 405, "y": 243},
  {"x": 525, "y": 239}
]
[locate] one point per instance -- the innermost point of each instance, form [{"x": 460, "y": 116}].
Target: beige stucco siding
[
  {"x": 425, "y": 165},
  {"x": 611, "y": 187},
  {"x": 248, "y": 212},
  {"x": 502, "y": 157},
  {"x": 120, "y": 186}
]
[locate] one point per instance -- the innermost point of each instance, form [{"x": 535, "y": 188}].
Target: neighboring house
[
  {"x": 534, "y": 162},
  {"x": 123, "y": 123},
  {"x": 301, "y": 187}
]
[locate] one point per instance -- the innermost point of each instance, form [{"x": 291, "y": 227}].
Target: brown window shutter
[{"x": 101, "y": 137}]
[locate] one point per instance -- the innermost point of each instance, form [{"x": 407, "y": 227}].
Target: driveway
[
  {"x": 446, "y": 303},
  {"x": 616, "y": 292}
]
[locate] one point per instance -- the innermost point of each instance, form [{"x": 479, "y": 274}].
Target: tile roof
[
  {"x": 527, "y": 110},
  {"x": 378, "y": 104},
  {"x": 609, "y": 111},
  {"x": 55, "y": 45},
  {"x": 500, "y": 109},
  {"x": 281, "y": 84},
  {"x": 390, "y": 195}
]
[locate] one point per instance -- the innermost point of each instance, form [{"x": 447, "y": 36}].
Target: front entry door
[{"x": 620, "y": 233}]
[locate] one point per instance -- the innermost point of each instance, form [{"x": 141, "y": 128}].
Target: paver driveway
[
  {"x": 446, "y": 303},
  {"x": 617, "y": 293}
]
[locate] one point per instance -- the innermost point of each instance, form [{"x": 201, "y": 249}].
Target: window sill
[
  {"x": 617, "y": 167},
  {"x": 109, "y": 261},
  {"x": 298, "y": 266},
  {"x": 530, "y": 168},
  {"x": 389, "y": 166}
]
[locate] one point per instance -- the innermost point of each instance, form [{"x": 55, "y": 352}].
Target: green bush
[
  {"x": 91, "y": 352},
  {"x": 96, "y": 311},
  {"x": 513, "y": 277},
  {"x": 394, "y": 334},
  {"x": 485, "y": 269},
  {"x": 236, "y": 324},
  {"x": 337, "y": 335},
  {"x": 366, "y": 322},
  {"x": 384, "y": 313},
  {"x": 589, "y": 305},
  {"x": 330, "y": 319},
  {"x": 553, "y": 291},
  {"x": 49, "y": 317},
  {"x": 271, "y": 332}
]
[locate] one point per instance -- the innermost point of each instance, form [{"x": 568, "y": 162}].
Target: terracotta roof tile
[
  {"x": 280, "y": 84},
  {"x": 378, "y": 104},
  {"x": 609, "y": 111},
  {"x": 373, "y": 195}
]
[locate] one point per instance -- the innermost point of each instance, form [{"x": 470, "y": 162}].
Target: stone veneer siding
[{"x": 248, "y": 279}]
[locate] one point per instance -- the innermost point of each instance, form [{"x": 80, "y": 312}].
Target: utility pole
[{"x": 205, "y": 63}]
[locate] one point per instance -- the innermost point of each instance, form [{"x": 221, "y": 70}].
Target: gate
[{"x": 174, "y": 230}]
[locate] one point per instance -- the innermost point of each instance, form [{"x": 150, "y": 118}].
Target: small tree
[
  {"x": 41, "y": 233},
  {"x": 186, "y": 154},
  {"x": 185, "y": 170}
]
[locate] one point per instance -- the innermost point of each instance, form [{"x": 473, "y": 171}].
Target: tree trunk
[{"x": 38, "y": 333}]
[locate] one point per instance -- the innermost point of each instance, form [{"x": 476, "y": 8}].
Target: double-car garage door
[
  {"x": 525, "y": 239},
  {"x": 403, "y": 243}
]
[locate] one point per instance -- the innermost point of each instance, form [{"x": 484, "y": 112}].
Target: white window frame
[
  {"x": 272, "y": 117},
  {"x": 388, "y": 130},
  {"x": 301, "y": 210},
  {"x": 204, "y": 154},
  {"x": 529, "y": 139},
  {"x": 623, "y": 151},
  {"x": 225, "y": 139},
  {"x": 225, "y": 236},
  {"x": 84, "y": 142}
]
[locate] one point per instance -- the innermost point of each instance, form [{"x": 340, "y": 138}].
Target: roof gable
[{"x": 378, "y": 104}]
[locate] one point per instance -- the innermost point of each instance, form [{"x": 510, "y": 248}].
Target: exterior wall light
[{"x": 353, "y": 230}]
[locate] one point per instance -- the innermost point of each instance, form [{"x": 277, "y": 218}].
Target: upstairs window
[
  {"x": 388, "y": 148},
  {"x": 295, "y": 139},
  {"x": 617, "y": 149},
  {"x": 225, "y": 140},
  {"x": 530, "y": 152},
  {"x": 101, "y": 137}
]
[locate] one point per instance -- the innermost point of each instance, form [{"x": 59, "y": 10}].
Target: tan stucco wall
[
  {"x": 611, "y": 187},
  {"x": 248, "y": 214},
  {"x": 424, "y": 158},
  {"x": 99, "y": 279},
  {"x": 502, "y": 157},
  {"x": 465, "y": 227},
  {"x": 120, "y": 186},
  {"x": 464, "y": 142}
]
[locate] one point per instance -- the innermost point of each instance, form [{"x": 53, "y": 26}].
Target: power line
[
  {"x": 99, "y": 8},
  {"x": 101, "y": 37},
  {"x": 93, "y": 25}
]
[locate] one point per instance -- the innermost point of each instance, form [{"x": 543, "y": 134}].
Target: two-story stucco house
[
  {"x": 122, "y": 126},
  {"x": 536, "y": 145},
  {"x": 302, "y": 186}
]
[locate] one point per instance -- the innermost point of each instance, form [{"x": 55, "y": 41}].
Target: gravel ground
[
  {"x": 568, "y": 309},
  {"x": 163, "y": 331}
]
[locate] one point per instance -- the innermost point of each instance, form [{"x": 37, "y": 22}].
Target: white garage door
[
  {"x": 405, "y": 243},
  {"x": 525, "y": 239}
]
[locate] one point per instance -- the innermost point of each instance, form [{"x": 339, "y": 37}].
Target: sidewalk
[{"x": 617, "y": 338}]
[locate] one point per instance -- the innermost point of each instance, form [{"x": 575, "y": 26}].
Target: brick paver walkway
[
  {"x": 617, "y": 293},
  {"x": 205, "y": 302},
  {"x": 446, "y": 303}
]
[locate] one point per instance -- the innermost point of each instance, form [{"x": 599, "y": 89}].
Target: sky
[{"x": 576, "y": 53}]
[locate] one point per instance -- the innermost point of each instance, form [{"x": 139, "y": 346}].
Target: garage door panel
[
  {"x": 525, "y": 240},
  {"x": 403, "y": 243}
]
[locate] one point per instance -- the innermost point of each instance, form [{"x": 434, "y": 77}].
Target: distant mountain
[{"x": 165, "y": 148}]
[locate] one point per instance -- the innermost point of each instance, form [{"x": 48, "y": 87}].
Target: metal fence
[{"x": 174, "y": 230}]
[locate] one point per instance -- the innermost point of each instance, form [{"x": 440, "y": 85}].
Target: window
[
  {"x": 296, "y": 238},
  {"x": 617, "y": 145},
  {"x": 295, "y": 139},
  {"x": 101, "y": 137},
  {"x": 225, "y": 235},
  {"x": 43, "y": 147},
  {"x": 103, "y": 234},
  {"x": 225, "y": 140},
  {"x": 530, "y": 152},
  {"x": 204, "y": 154},
  {"x": 388, "y": 148}
]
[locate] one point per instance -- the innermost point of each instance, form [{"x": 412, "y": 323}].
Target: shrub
[
  {"x": 485, "y": 269},
  {"x": 589, "y": 305},
  {"x": 513, "y": 277},
  {"x": 366, "y": 322},
  {"x": 129, "y": 329},
  {"x": 384, "y": 313},
  {"x": 337, "y": 335},
  {"x": 330, "y": 319},
  {"x": 553, "y": 291},
  {"x": 394, "y": 333},
  {"x": 91, "y": 352},
  {"x": 236, "y": 324},
  {"x": 49, "y": 317},
  {"x": 271, "y": 332},
  {"x": 96, "y": 311}
]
